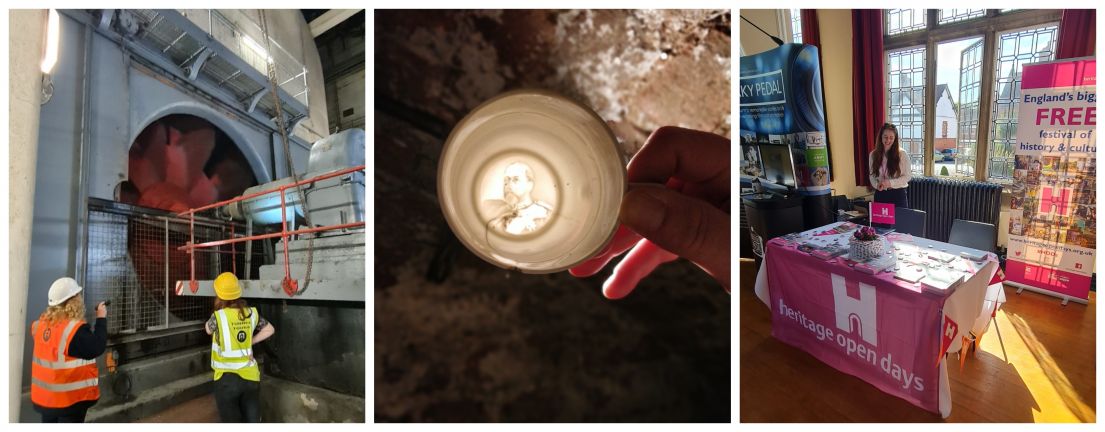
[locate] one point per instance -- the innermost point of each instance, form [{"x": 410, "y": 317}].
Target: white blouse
[{"x": 903, "y": 169}]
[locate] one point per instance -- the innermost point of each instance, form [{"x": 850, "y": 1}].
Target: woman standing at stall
[{"x": 890, "y": 169}]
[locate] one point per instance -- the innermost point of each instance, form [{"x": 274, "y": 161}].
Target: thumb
[{"x": 683, "y": 225}]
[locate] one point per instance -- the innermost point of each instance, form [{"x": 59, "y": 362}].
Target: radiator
[{"x": 944, "y": 201}]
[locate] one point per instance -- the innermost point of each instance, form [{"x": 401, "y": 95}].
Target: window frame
[
  {"x": 924, "y": 102},
  {"x": 886, "y": 23},
  {"x": 956, "y": 18},
  {"x": 786, "y": 19},
  {"x": 994, "y": 60},
  {"x": 987, "y": 26}
]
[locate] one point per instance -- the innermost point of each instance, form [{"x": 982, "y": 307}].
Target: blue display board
[{"x": 781, "y": 103}]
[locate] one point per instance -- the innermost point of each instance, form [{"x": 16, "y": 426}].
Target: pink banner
[
  {"x": 1053, "y": 198},
  {"x": 878, "y": 328},
  {"x": 1062, "y": 282},
  {"x": 1059, "y": 74}
]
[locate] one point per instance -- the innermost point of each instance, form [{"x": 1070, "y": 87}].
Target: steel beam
[
  {"x": 193, "y": 67},
  {"x": 155, "y": 63},
  {"x": 256, "y": 98},
  {"x": 330, "y": 19},
  {"x": 321, "y": 289},
  {"x": 175, "y": 18}
]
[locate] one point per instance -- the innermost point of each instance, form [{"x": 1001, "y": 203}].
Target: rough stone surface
[
  {"x": 639, "y": 70},
  {"x": 457, "y": 339}
]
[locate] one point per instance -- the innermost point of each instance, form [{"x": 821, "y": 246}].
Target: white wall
[
  {"x": 348, "y": 94},
  {"x": 25, "y": 32},
  {"x": 945, "y": 112},
  {"x": 751, "y": 40}
]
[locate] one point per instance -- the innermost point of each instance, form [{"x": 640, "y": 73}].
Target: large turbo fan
[
  {"x": 177, "y": 163},
  {"x": 181, "y": 162}
]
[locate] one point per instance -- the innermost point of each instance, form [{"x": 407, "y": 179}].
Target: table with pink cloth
[{"x": 881, "y": 329}]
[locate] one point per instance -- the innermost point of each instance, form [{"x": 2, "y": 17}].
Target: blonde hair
[{"x": 72, "y": 309}]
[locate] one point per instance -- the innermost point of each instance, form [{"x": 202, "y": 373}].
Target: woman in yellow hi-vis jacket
[{"x": 235, "y": 328}]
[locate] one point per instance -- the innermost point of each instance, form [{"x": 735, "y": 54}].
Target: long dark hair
[
  {"x": 240, "y": 303},
  {"x": 893, "y": 159}
]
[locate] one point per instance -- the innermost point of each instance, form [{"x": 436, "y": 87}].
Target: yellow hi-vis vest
[{"x": 232, "y": 344}]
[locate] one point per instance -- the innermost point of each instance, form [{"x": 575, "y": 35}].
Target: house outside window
[{"x": 936, "y": 61}]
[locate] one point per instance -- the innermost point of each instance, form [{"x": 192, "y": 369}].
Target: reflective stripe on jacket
[
  {"x": 232, "y": 344},
  {"x": 59, "y": 380}
]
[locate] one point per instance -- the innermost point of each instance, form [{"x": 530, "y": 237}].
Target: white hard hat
[{"x": 63, "y": 289}]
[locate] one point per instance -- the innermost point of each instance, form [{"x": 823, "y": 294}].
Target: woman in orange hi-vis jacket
[{"x": 64, "y": 377}]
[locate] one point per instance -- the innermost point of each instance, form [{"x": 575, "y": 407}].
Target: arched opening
[
  {"x": 181, "y": 161},
  {"x": 177, "y": 162}
]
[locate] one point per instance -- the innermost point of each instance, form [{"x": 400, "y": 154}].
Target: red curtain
[
  {"x": 1077, "y": 31},
  {"x": 811, "y": 32},
  {"x": 868, "y": 87},
  {"x": 811, "y": 35}
]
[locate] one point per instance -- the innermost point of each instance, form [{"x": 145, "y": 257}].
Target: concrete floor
[{"x": 198, "y": 410}]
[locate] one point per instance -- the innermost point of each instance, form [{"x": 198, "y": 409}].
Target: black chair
[
  {"x": 975, "y": 235},
  {"x": 840, "y": 203},
  {"x": 909, "y": 221}
]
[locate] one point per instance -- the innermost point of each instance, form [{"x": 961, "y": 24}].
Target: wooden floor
[{"x": 1046, "y": 372}]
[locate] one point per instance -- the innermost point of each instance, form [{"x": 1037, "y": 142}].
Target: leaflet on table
[
  {"x": 941, "y": 278},
  {"x": 935, "y": 270},
  {"x": 877, "y": 265},
  {"x": 941, "y": 256},
  {"x": 842, "y": 228},
  {"x": 900, "y": 237},
  {"x": 829, "y": 253},
  {"x": 831, "y": 238},
  {"x": 910, "y": 273},
  {"x": 974, "y": 255}
]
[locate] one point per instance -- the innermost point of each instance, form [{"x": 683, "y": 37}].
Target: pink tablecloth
[{"x": 883, "y": 330}]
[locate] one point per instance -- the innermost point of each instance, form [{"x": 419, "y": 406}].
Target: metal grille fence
[{"x": 132, "y": 260}]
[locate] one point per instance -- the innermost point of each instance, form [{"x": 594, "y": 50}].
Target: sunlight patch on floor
[{"x": 1056, "y": 399}]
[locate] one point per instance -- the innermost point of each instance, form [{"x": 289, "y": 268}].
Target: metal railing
[
  {"x": 221, "y": 53},
  {"x": 133, "y": 260},
  {"x": 289, "y": 285},
  {"x": 248, "y": 43}
]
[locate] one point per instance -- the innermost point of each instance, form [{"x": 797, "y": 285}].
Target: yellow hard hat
[{"x": 226, "y": 287}]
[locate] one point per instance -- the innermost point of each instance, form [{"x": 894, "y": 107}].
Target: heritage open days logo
[{"x": 855, "y": 314}]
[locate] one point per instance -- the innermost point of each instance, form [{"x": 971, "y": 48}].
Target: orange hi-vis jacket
[{"x": 58, "y": 380}]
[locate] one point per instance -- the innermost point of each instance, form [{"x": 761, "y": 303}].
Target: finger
[
  {"x": 689, "y": 155},
  {"x": 686, "y": 226},
  {"x": 623, "y": 239},
  {"x": 638, "y": 263}
]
